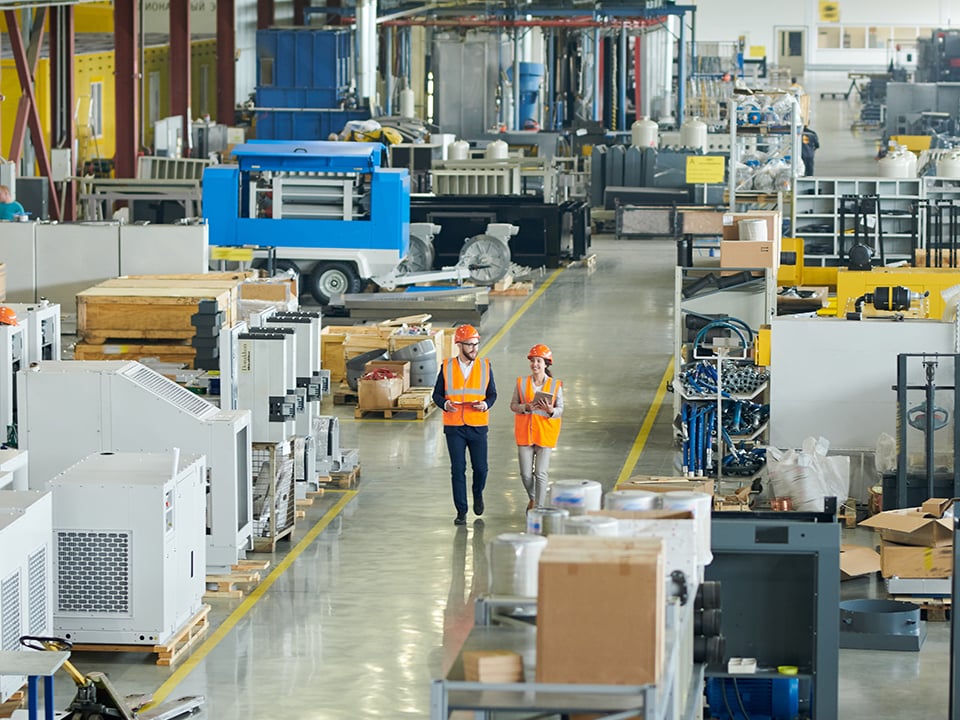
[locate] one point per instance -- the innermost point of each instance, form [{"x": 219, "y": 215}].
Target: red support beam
[
  {"x": 265, "y": 14},
  {"x": 180, "y": 67},
  {"x": 23, "y": 107},
  {"x": 63, "y": 131},
  {"x": 226, "y": 61},
  {"x": 126, "y": 27},
  {"x": 33, "y": 115}
]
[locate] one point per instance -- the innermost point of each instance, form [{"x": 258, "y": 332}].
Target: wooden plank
[
  {"x": 343, "y": 480},
  {"x": 112, "y": 311},
  {"x": 98, "y": 338},
  {"x": 517, "y": 289},
  {"x": 388, "y": 413},
  {"x": 269, "y": 544},
  {"x": 165, "y": 352}
]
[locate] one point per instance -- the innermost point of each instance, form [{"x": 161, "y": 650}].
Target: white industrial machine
[
  {"x": 41, "y": 321},
  {"x": 265, "y": 385},
  {"x": 74, "y": 408},
  {"x": 13, "y": 355},
  {"x": 13, "y": 470},
  {"x": 300, "y": 426},
  {"x": 128, "y": 531},
  {"x": 26, "y": 572}
]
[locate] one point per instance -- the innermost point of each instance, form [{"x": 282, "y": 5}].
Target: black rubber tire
[{"x": 332, "y": 278}]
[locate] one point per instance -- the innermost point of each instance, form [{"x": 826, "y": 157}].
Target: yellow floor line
[
  {"x": 498, "y": 336},
  {"x": 646, "y": 427},
  {"x": 221, "y": 632}
]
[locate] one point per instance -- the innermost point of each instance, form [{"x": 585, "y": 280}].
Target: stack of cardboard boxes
[
  {"x": 382, "y": 394},
  {"x": 737, "y": 252},
  {"x": 915, "y": 543}
]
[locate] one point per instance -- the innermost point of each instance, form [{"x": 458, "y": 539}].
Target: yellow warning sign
[
  {"x": 829, "y": 11},
  {"x": 705, "y": 169}
]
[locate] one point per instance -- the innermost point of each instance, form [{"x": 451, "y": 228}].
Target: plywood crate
[
  {"x": 143, "y": 312},
  {"x": 416, "y": 398},
  {"x": 402, "y": 340},
  {"x": 180, "y": 354},
  {"x": 448, "y": 348},
  {"x": 334, "y": 348},
  {"x": 201, "y": 285}
]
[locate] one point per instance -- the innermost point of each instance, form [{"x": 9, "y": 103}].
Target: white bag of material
[{"x": 808, "y": 475}]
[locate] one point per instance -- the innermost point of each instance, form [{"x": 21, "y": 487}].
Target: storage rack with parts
[
  {"x": 765, "y": 149},
  {"x": 819, "y": 204},
  {"x": 719, "y": 393}
]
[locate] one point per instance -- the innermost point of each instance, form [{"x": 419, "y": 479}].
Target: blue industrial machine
[
  {"x": 748, "y": 698},
  {"x": 332, "y": 213},
  {"x": 305, "y": 83}
]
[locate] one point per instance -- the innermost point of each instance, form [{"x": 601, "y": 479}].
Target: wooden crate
[
  {"x": 202, "y": 286},
  {"x": 416, "y": 398},
  {"x": 132, "y": 312},
  {"x": 334, "y": 348}
]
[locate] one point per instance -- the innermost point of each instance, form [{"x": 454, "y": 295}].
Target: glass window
[
  {"x": 828, "y": 37},
  {"x": 854, "y": 37}
]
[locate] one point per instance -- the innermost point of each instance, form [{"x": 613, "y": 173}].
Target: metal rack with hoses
[{"x": 721, "y": 417}]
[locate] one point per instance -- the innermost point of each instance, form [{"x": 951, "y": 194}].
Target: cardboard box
[
  {"x": 773, "y": 218},
  {"x": 379, "y": 394},
  {"x": 749, "y": 254},
  {"x": 936, "y": 507},
  {"x": 493, "y": 666},
  {"x": 400, "y": 367},
  {"x": 662, "y": 483},
  {"x": 857, "y": 561},
  {"x": 910, "y": 561},
  {"x": 911, "y": 526},
  {"x": 600, "y": 610}
]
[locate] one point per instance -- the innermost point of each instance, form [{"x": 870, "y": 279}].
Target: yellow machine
[{"x": 926, "y": 285}]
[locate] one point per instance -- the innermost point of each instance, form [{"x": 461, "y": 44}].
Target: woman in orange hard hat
[{"x": 537, "y": 405}]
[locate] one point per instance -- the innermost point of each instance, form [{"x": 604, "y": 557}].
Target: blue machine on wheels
[{"x": 332, "y": 213}]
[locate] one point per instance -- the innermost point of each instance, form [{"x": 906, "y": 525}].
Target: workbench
[{"x": 34, "y": 665}]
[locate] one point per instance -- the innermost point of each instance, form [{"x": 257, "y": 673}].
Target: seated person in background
[{"x": 8, "y": 206}]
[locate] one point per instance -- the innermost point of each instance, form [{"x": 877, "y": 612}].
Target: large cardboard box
[
  {"x": 911, "y": 526},
  {"x": 400, "y": 367},
  {"x": 749, "y": 254},
  {"x": 910, "y": 561},
  {"x": 379, "y": 394},
  {"x": 600, "y": 610}
]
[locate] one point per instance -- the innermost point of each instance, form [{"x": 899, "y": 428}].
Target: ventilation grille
[
  {"x": 158, "y": 385},
  {"x": 10, "y": 620},
  {"x": 93, "y": 572},
  {"x": 37, "y": 591}
]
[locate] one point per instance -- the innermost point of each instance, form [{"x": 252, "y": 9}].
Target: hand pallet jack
[{"x": 98, "y": 699}]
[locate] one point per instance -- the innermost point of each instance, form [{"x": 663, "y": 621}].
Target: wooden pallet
[
  {"x": 228, "y": 585},
  {"x": 343, "y": 395},
  {"x": 170, "y": 652},
  {"x": 122, "y": 350},
  {"x": 344, "y": 481},
  {"x": 251, "y": 565},
  {"x": 516, "y": 289},
  {"x": 388, "y": 413},
  {"x": 269, "y": 544},
  {"x": 932, "y": 609},
  {"x": 14, "y": 702}
]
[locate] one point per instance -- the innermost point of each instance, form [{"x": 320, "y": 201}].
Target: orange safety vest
[
  {"x": 532, "y": 428},
  {"x": 462, "y": 391}
]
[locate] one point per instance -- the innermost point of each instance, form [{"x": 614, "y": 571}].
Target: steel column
[
  {"x": 637, "y": 66},
  {"x": 681, "y": 73},
  {"x": 180, "y": 68},
  {"x": 126, "y": 29},
  {"x": 265, "y": 14},
  {"x": 597, "y": 73},
  {"x": 32, "y": 112},
  {"x": 388, "y": 72},
  {"x": 63, "y": 131},
  {"x": 226, "y": 61},
  {"x": 622, "y": 83},
  {"x": 515, "y": 120}
]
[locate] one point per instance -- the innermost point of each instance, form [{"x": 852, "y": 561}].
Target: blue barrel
[{"x": 531, "y": 76}]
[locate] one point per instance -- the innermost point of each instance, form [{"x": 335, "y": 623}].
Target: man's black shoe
[
  {"x": 478, "y": 505},
  {"x": 460, "y": 519}
]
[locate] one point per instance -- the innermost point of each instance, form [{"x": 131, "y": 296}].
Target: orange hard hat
[
  {"x": 541, "y": 351},
  {"x": 8, "y": 315},
  {"x": 465, "y": 332}
]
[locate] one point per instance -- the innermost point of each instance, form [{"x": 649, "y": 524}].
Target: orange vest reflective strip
[
  {"x": 531, "y": 428},
  {"x": 465, "y": 390}
]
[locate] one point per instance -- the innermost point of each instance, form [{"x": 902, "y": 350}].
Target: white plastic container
[
  {"x": 408, "y": 101},
  {"x": 632, "y": 500},
  {"x": 546, "y": 520},
  {"x": 752, "y": 229},
  {"x": 893, "y": 165},
  {"x": 948, "y": 166},
  {"x": 576, "y": 496},
  {"x": 514, "y": 559},
  {"x": 645, "y": 133},
  {"x": 497, "y": 150},
  {"x": 693, "y": 134},
  {"x": 592, "y": 525},
  {"x": 458, "y": 150}
]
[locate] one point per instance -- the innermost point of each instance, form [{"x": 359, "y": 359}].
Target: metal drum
[
  {"x": 423, "y": 362},
  {"x": 356, "y": 365}
]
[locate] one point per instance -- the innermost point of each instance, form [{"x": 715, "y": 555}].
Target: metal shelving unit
[
  {"x": 778, "y": 140},
  {"x": 666, "y": 701},
  {"x": 816, "y": 211}
]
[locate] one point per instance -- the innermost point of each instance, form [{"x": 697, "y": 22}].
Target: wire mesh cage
[{"x": 273, "y": 493}]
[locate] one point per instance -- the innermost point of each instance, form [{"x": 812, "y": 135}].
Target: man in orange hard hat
[{"x": 466, "y": 392}]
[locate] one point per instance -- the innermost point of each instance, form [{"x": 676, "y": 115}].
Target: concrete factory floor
[{"x": 374, "y": 594}]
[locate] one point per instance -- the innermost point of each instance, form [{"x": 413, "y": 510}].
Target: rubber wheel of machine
[{"x": 328, "y": 279}]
